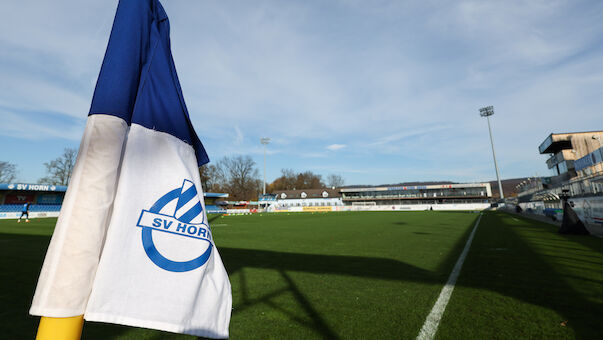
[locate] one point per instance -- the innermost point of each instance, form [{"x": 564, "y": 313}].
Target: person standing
[{"x": 24, "y": 212}]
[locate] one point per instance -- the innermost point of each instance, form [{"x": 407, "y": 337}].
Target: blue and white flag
[{"x": 159, "y": 266}]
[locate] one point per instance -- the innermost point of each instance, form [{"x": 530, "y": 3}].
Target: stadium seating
[
  {"x": 211, "y": 209},
  {"x": 32, "y": 208},
  {"x": 214, "y": 209}
]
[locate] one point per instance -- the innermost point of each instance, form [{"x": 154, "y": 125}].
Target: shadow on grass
[
  {"x": 237, "y": 259},
  {"x": 213, "y": 217},
  {"x": 592, "y": 242},
  {"x": 527, "y": 277},
  {"x": 21, "y": 258},
  {"x": 524, "y": 274}
]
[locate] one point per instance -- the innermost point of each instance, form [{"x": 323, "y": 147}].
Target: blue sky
[{"x": 376, "y": 91}]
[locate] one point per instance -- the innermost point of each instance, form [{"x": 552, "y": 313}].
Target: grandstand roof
[
  {"x": 215, "y": 195},
  {"x": 560, "y": 141},
  {"x": 63, "y": 188}
]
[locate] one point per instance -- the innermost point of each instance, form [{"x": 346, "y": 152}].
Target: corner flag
[{"x": 159, "y": 266}]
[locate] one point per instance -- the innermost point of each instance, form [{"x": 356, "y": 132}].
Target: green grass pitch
[{"x": 365, "y": 275}]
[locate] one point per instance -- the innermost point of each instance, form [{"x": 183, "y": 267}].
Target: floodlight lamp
[
  {"x": 486, "y": 111},
  {"x": 265, "y": 140}
]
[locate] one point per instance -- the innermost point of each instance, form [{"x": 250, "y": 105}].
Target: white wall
[
  {"x": 41, "y": 214},
  {"x": 417, "y": 207},
  {"x": 590, "y": 211}
]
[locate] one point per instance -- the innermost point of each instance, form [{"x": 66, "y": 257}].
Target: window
[{"x": 562, "y": 167}]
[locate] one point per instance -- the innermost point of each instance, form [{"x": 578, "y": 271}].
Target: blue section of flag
[
  {"x": 193, "y": 212},
  {"x": 138, "y": 80},
  {"x": 127, "y": 52},
  {"x": 187, "y": 194}
]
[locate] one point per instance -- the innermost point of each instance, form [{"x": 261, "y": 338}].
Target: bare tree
[
  {"x": 212, "y": 178},
  {"x": 285, "y": 182},
  {"x": 59, "y": 170},
  {"x": 308, "y": 180},
  {"x": 8, "y": 172},
  {"x": 290, "y": 180},
  {"x": 241, "y": 177},
  {"x": 335, "y": 181}
]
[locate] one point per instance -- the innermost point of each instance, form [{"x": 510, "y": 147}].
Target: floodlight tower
[
  {"x": 264, "y": 141},
  {"x": 487, "y": 112}
]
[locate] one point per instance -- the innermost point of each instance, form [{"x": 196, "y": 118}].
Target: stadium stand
[
  {"x": 419, "y": 194},
  {"x": 46, "y": 200},
  {"x": 576, "y": 165},
  {"x": 213, "y": 202},
  {"x": 32, "y": 208}
]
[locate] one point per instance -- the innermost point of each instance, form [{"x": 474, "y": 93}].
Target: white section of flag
[
  {"x": 129, "y": 288},
  {"x": 72, "y": 258}
]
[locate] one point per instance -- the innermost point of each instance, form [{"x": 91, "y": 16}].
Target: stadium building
[
  {"x": 457, "y": 196},
  {"x": 436, "y": 196},
  {"x": 45, "y": 199},
  {"x": 576, "y": 165},
  {"x": 214, "y": 202},
  {"x": 324, "y": 199}
]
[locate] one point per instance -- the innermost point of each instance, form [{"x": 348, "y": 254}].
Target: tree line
[
  {"x": 236, "y": 175},
  {"x": 58, "y": 170},
  {"x": 239, "y": 177}
]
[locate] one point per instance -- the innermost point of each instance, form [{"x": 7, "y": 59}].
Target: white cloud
[
  {"x": 238, "y": 135},
  {"x": 385, "y": 78},
  {"x": 335, "y": 147}
]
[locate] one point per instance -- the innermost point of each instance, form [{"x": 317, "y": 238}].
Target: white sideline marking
[{"x": 430, "y": 327}]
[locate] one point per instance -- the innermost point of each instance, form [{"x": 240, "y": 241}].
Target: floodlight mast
[
  {"x": 264, "y": 141},
  {"x": 487, "y": 112}
]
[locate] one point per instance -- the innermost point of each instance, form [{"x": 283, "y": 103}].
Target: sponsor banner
[
  {"x": 408, "y": 207},
  {"x": 417, "y": 207},
  {"x": 590, "y": 211},
  {"x": 317, "y": 209},
  {"x": 14, "y": 215},
  {"x": 19, "y": 198},
  {"x": 238, "y": 211},
  {"x": 49, "y": 199},
  {"x": 32, "y": 187},
  {"x": 413, "y": 187}
]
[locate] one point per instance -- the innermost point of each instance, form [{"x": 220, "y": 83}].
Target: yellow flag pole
[{"x": 60, "y": 328}]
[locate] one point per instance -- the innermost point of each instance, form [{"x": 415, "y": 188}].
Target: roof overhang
[{"x": 555, "y": 143}]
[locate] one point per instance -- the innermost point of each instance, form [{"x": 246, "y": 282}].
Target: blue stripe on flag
[
  {"x": 186, "y": 196},
  {"x": 165, "y": 199},
  {"x": 192, "y": 213}
]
